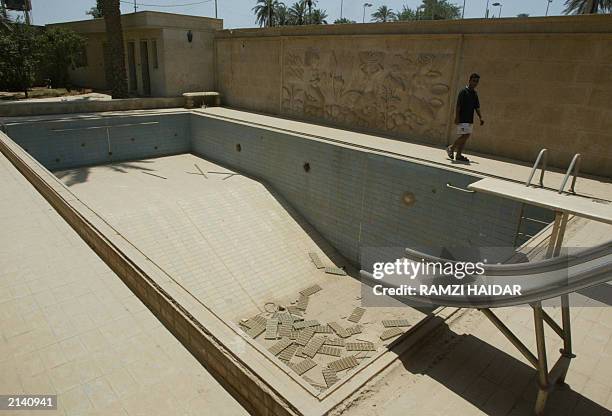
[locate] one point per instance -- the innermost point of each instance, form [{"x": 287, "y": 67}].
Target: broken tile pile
[{"x": 299, "y": 341}]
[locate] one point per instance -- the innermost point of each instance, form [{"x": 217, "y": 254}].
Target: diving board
[{"x": 566, "y": 203}]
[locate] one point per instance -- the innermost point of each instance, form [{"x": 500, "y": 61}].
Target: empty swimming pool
[{"x": 252, "y": 229}]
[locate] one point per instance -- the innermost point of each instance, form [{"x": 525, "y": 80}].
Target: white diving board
[{"x": 546, "y": 198}]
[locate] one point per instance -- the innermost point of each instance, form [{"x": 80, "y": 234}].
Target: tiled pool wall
[
  {"x": 74, "y": 142},
  {"x": 353, "y": 198}
]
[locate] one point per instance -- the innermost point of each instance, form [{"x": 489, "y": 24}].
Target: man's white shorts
[{"x": 464, "y": 128}]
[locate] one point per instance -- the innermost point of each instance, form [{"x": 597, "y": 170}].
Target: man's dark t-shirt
[{"x": 467, "y": 103}]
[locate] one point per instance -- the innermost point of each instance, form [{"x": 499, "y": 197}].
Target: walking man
[{"x": 467, "y": 103}]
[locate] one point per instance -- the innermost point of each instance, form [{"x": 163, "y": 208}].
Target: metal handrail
[
  {"x": 575, "y": 168},
  {"x": 543, "y": 156},
  {"x": 468, "y": 191}
]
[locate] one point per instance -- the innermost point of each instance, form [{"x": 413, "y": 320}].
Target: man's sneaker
[
  {"x": 450, "y": 153},
  {"x": 461, "y": 158}
]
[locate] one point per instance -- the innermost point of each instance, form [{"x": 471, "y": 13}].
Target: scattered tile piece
[
  {"x": 310, "y": 290},
  {"x": 294, "y": 334},
  {"x": 313, "y": 346},
  {"x": 305, "y": 336},
  {"x": 255, "y": 321},
  {"x": 285, "y": 318},
  {"x": 287, "y": 354},
  {"x": 314, "y": 383},
  {"x": 354, "y": 330},
  {"x": 363, "y": 354},
  {"x": 393, "y": 323},
  {"x": 343, "y": 363},
  {"x": 316, "y": 260},
  {"x": 305, "y": 324},
  {"x": 356, "y": 315},
  {"x": 360, "y": 346},
  {"x": 299, "y": 352},
  {"x": 280, "y": 346},
  {"x": 327, "y": 350},
  {"x": 323, "y": 329},
  {"x": 256, "y": 331},
  {"x": 271, "y": 329},
  {"x": 335, "y": 270},
  {"x": 284, "y": 331},
  {"x": 330, "y": 376},
  {"x": 337, "y": 342},
  {"x": 390, "y": 333},
  {"x": 302, "y": 302},
  {"x": 341, "y": 332},
  {"x": 303, "y": 366}
]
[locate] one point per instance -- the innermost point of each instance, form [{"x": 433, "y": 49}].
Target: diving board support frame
[{"x": 547, "y": 380}]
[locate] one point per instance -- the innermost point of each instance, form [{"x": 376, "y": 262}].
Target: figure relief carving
[{"x": 405, "y": 93}]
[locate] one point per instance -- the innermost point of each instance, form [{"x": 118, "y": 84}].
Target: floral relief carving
[{"x": 403, "y": 93}]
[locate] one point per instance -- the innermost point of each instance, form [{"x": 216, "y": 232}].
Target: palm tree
[
  {"x": 344, "y": 20},
  {"x": 114, "y": 39},
  {"x": 318, "y": 17},
  {"x": 406, "y": 14},
  {"x": 281, "y": 15},
  {"x": 265, "y": 12},
  {"x": 96, "y": 11},
  {"x": 383, "y": 14},
  {"x": 587, "y": 6},
  {"x": 297, "y": 13},
  {"x": 439, "y": 10}
]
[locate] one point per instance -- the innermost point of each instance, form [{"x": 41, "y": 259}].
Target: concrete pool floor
[{"x": 228, "y": 240}]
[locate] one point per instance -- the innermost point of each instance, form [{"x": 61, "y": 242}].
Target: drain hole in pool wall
[
  {"x": 408, "y": 199},
  {"x": 155, "y": 147},
  {"x": 110, "y": 153},
  {"x": 57, "y": 160},
  {"x": 238, "y": 147},
  {"x": 306, "y": 167},
  {"x": 82, "y": 144},
  {"x": 133, "y": 139}
]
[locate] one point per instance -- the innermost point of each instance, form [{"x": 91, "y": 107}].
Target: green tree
[
  {"x": 281, "y": 15},
  {"x": 438, "y": 10},
  {"x": 61, "y": 50},
  {"x": 20, "y": 57},
  {"x": 406, "y": 14},
  {"x": 265, "y": 12},
  {"x": 318, "y": 17},
  {"x": 116, "y": 54},
  {"x": 383, "y": 14},
  {"x": 344, "y": 20},
  {"x": 587, "y": 6},
  {"x": 297, "y": 13},
  {"x": 96, "y": 11}
]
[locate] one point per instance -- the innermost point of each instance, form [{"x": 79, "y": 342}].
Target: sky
[{"x": 238, "y": 13}]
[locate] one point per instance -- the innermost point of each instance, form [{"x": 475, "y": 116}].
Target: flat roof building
[{"x": 166, "y": 54}]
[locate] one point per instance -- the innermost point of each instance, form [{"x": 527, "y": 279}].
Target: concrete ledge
[
  {"x": 32, "y": 108},
  {"x": 241, "y": 383}
]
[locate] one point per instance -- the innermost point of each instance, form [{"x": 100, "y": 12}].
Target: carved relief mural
[{"x": 392, "y": 90}]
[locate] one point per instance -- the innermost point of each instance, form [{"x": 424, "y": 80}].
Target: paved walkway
[{"x": 69, "y": 326}]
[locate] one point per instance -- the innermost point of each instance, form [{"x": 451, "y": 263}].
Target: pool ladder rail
[{"x": 573, "y": 168}]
